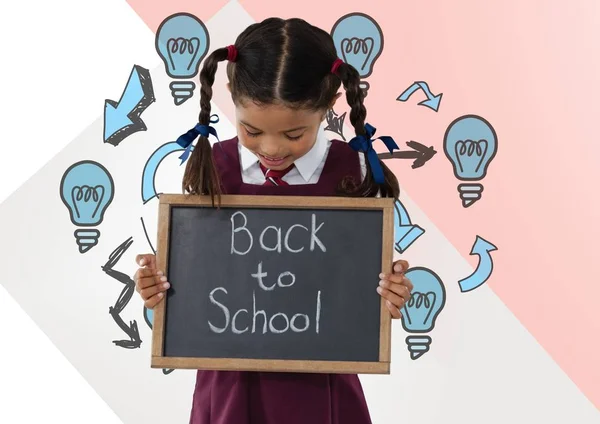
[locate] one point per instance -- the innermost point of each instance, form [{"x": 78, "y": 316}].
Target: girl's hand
[
  {"x": 395, "y": 288},
  {"x": 149, "y": 282}
]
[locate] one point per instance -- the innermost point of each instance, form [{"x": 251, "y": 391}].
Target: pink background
[{"x": 531, "y": 69}]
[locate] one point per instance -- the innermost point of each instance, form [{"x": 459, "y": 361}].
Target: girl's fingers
[
  {"x": 144, "y": 283},
  {"x": 145, "y": 277},
  {"x": 399, "y": 289},
  {"x": 400, "y": 266},
  {"x": 148, "y": 292},
  {"x": 396, "y": 314},
  {"x": 408, "y": 284},
  {"x": 154, "y": 300},
  {"x": 396, "y": 300},
  {"x": 147, "y": 260},
  {"x": 396, "y": 278}
]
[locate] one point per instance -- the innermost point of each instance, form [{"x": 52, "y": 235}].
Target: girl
[{"x": 283, "y": 77}]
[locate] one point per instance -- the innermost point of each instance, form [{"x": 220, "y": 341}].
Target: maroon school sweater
[{"x": 233, "y": 397}]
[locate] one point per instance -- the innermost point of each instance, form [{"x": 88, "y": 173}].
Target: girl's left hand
[{"x": 395, "y": 288}]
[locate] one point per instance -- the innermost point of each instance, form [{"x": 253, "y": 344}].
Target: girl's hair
[{"x": 285, "y": 62}]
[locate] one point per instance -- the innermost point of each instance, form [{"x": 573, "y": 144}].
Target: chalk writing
[
  {"x": 274, "y": 324},
  {"x": 237, "y": 232}
]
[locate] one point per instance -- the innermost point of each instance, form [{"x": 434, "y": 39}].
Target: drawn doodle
[
  {"x": 123, "y": 118},
  {"x": 405, "y": 232},
  {"x": 432, "y": 101},
  {"x": 335, "y": 123},
  {"x": 151, "y": 166},
  {"x": 358, "y": 39},
  {"x": 87, "y": 189},
  {"x": 470, "y": 143},
  {"x": 131, "y": 329},
  {"x": 422, "y": 309},
  {"x": 484, "y": 269},
  {"x": 420, "y": 153},
  {"x": 147, "y": 237},
  {"x": 182, "y": 41}
]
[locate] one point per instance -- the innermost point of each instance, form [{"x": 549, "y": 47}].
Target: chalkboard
[{"x": 274, "y": 283}]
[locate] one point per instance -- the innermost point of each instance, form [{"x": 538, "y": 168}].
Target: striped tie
[{"x": 274, "y": 177}]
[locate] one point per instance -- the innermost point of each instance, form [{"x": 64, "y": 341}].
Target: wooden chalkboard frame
[{"x": 168, "y": 201}]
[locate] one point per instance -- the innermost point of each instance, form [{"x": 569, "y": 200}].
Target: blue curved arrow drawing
[
  {"x": 148, "y": 317},
  {"x": 432, "y": 101},
  {"x": 485, "y": 267},
  {"x": 405, "y": 232},
  {"x": 148, "y": 187},
  {"x": 122, "y": 118}
]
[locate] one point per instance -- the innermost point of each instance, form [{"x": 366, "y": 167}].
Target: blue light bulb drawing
[
  {"x": 86, "y": 189},
  {"x": 358, "y": 40},
  {"x": 470, "y": 143},
  {"x": 405, "y": 232},
  {"x": 182, "y": 41},
  {"x": 422, "y": 309}
]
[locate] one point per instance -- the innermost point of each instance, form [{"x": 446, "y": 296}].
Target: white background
[{"x": 51, "y": 49}]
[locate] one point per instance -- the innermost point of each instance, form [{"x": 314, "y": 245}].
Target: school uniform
[{"x": 234, "y": 397}]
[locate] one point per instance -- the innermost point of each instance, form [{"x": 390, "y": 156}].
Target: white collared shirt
[{"x": 307, "y": 169}]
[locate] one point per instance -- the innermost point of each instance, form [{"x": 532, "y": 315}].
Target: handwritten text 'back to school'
[{"x": 242, "y": 320}]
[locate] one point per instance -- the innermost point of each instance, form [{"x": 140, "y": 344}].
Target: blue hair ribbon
[
  {"x": 186, "y": 140},
  {"x": 364, "y": 143}
]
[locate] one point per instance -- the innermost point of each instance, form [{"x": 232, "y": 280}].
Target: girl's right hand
[{"x": 149, "y": 282}]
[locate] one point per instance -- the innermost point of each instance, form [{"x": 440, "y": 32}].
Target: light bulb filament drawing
[
  {"x": 418, "y": 300},
  {"x": 183, "y": 46},
  {"x": 469, "y": 148},
  {"x": 362, "y": 46},
  {"x": 86, "y": 193}
]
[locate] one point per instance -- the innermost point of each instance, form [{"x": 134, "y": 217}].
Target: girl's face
[{"x": 276, "y": 134}]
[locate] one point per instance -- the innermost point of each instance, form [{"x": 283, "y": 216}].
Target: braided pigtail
[
  {"x": 355, "y": 97},
  {"x": 200, "y": 175}
]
